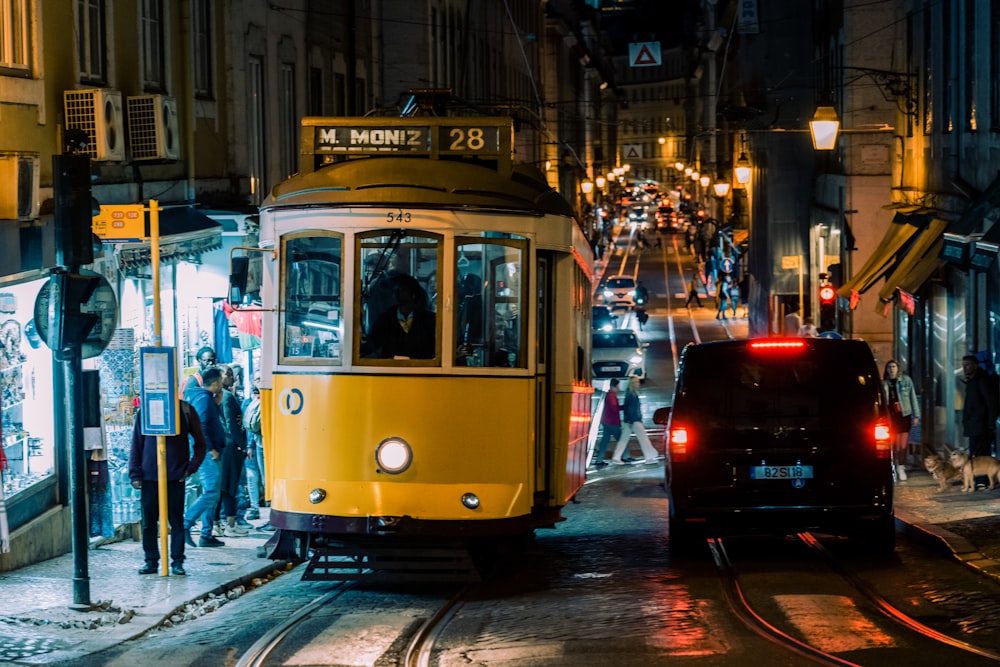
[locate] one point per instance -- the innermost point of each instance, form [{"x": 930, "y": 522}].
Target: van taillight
[
  {"x": 883, "y": 440},
  {"x": 678, "y": 443}
]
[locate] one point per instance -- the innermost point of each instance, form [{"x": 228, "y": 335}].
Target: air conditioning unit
[
  {"x": 98, "y": 112},
  {"x": 152, "y": 127},
  {"x": 18, "y": 187}
]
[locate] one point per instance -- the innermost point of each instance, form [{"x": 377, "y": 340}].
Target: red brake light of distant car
[
  {"x": 677, "y": 441},
  {"x": 778, "y": 345},
  {"x": 883, "y": 440}
]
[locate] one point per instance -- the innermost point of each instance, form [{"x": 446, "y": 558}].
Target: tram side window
[
  {"x": 397, "y": 319},
  {"x": 312, "y": 325},
  {"x": 489, "y": 326}
]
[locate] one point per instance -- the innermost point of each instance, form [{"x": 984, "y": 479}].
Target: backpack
[{"x": 251, "y": 417}]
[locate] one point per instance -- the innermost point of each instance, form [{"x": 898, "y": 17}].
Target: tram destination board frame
[{"x": 329, "y": 139}]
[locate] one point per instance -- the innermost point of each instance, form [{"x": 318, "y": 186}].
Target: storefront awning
[
  {"x": 985, "y": 250},
  {"x": 901, "y": 230},
  {"x": 921, "y": 260},
  {"x": 185, "y": 234}
]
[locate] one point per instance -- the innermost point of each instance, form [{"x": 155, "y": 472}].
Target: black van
[{"x": 780, "y": 436}]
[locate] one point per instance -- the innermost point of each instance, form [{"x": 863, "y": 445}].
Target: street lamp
[
  {"x": 705, "y": 180},
  {"x": 742, "y": 169},
  {"x": 587, "y": 186},
  {"x": 600, "y": 182},
  {"x": 824, "y": 127},
  {"x": 721, "y": 189}
]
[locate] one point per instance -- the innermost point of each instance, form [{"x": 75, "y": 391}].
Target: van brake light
[
  {"x": 678, "y": 443},
  {"x": 778, "y": 344},
  {"x": 883, "y": 440}
]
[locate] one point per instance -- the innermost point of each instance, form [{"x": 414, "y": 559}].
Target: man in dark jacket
[
  {"x": 979, "y": 410},
  {"x": 202, "y": 399},
  {"x": 142, "y": 470}
]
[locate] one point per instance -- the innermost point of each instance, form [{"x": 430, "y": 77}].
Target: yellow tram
[{"x": 426, "y": 317}]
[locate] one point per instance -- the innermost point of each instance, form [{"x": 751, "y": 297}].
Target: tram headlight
[
  {"x": 470, "y": 500},
  {"x": 393, "y": 455}
]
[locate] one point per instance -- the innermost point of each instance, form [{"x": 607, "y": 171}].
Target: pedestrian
[
  {"x": 744, "y": 292},
  {"x": 203, "y": 400},
  {"x": 693, "y": 289},
  {"x": 979, "y": 408},
  {"x": 723, "y": 297},
  {"x": 234, "y": 455},
  {"x": 904, "y": 411},
  {"x": 205, "y": 359},
  {"x": 808, "y": 329},
  {"x": 144, "y": 473},
  {"x": 632, "y": 423},
  {"x": 611, "y": 423},
  {"x": 251, "y": 410}
]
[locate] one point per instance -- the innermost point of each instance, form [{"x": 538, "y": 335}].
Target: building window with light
[
  {"x": 201, "y": 34},
  {"x": 14, "y": 42},
  {"x": 151, "y": 33},
  {"x": 91, "y": 37}
]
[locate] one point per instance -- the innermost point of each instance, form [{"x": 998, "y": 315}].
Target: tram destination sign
[{"x": 325, "y": 138}]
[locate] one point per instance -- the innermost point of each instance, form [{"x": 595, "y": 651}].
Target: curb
[{"x": 947, "y": 542}]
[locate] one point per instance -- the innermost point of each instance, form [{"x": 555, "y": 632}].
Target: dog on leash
[
  {"x": 942, "y": 470},
  {"x": 975, "y": 465}
]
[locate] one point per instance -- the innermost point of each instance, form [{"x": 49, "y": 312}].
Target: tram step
[{"x": 391, "y": 564}]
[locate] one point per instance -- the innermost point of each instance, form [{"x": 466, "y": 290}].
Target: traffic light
[
  {"x": 73, "y": 210},
  {"x": 827, "y": 307}
]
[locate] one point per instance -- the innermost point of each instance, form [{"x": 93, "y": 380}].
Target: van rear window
[{"x": 819, "y": 386}]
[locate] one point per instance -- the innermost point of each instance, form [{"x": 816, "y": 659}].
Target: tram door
[{"x": 543, "y": 380}]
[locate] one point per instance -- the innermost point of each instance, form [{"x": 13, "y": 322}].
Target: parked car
[
  {"x": 619, "y": 291},
  {"x": 780, "y": 436},
  {"x": 604, "y": 319},
  {"x": 618, "y": 354}
]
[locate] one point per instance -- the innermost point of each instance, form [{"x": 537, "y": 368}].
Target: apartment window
[
  {"x": 14, "y": 34},
  {"x": 201, "y": 35},
  {"x": 151, "y": 22},
  {"x": 92, "y": 37},
  {"x": 970, "y": 75},
  {"x": 255, "y": 127},
  {"x": 289, "y": 122},
  {"x": 995, "y": 64}
]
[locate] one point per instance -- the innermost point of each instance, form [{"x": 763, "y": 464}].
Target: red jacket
[{"x": 611, "y": 416}]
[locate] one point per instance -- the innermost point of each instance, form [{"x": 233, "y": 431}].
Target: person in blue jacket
[{"x": 203, "y": 400}]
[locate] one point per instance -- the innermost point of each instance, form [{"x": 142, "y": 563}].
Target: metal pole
[
  {"x": 161, "y": 441},
  {"x": 72, "y": 371}
]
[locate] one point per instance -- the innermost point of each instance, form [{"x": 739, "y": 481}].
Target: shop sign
[{"x": 120, "y": 223}]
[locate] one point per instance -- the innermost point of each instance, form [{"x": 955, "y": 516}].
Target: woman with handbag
[{"x": 904, "y": 411}]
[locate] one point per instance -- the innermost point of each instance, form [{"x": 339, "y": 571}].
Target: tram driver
[{"x": 405, "y": 330}]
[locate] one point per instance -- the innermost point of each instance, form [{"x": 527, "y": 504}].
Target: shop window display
[{"x": 25, "y": 393}]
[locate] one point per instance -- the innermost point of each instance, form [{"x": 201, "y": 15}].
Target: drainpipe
[{"x": 187, "y": 86}]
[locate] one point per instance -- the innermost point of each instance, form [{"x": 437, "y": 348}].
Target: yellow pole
[{"x": 161, "y": 441}]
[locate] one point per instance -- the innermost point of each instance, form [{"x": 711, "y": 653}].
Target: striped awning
[{"x": 185, "y": 235}]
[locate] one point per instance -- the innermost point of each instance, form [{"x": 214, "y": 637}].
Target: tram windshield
[
  {"x": 311, "y": 312},
  {"x": 397, "y": 283},
  {"x": 489, "y": 322}
]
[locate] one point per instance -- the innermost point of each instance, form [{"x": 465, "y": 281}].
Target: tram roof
[{"x": 419, "y": 181}]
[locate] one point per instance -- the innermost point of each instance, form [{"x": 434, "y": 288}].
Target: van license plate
[{"x": 781, "y": 472}]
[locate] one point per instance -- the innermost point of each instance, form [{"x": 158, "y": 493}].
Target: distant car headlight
[
  {"x": 393, "y": 455},
  {"x": 635, "y": 359},
  {"x": 631, "y": 292},
  {"x": 608, "y": 294},
  {"x": 607, "y": 327}
]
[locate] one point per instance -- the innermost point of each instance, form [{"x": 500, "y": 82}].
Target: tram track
[
  {"x": 419, "y": 646},
  {"x": 906, "y": 633}
]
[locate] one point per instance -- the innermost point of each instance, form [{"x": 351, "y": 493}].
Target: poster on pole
[{"x": 158, "y": 391}]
